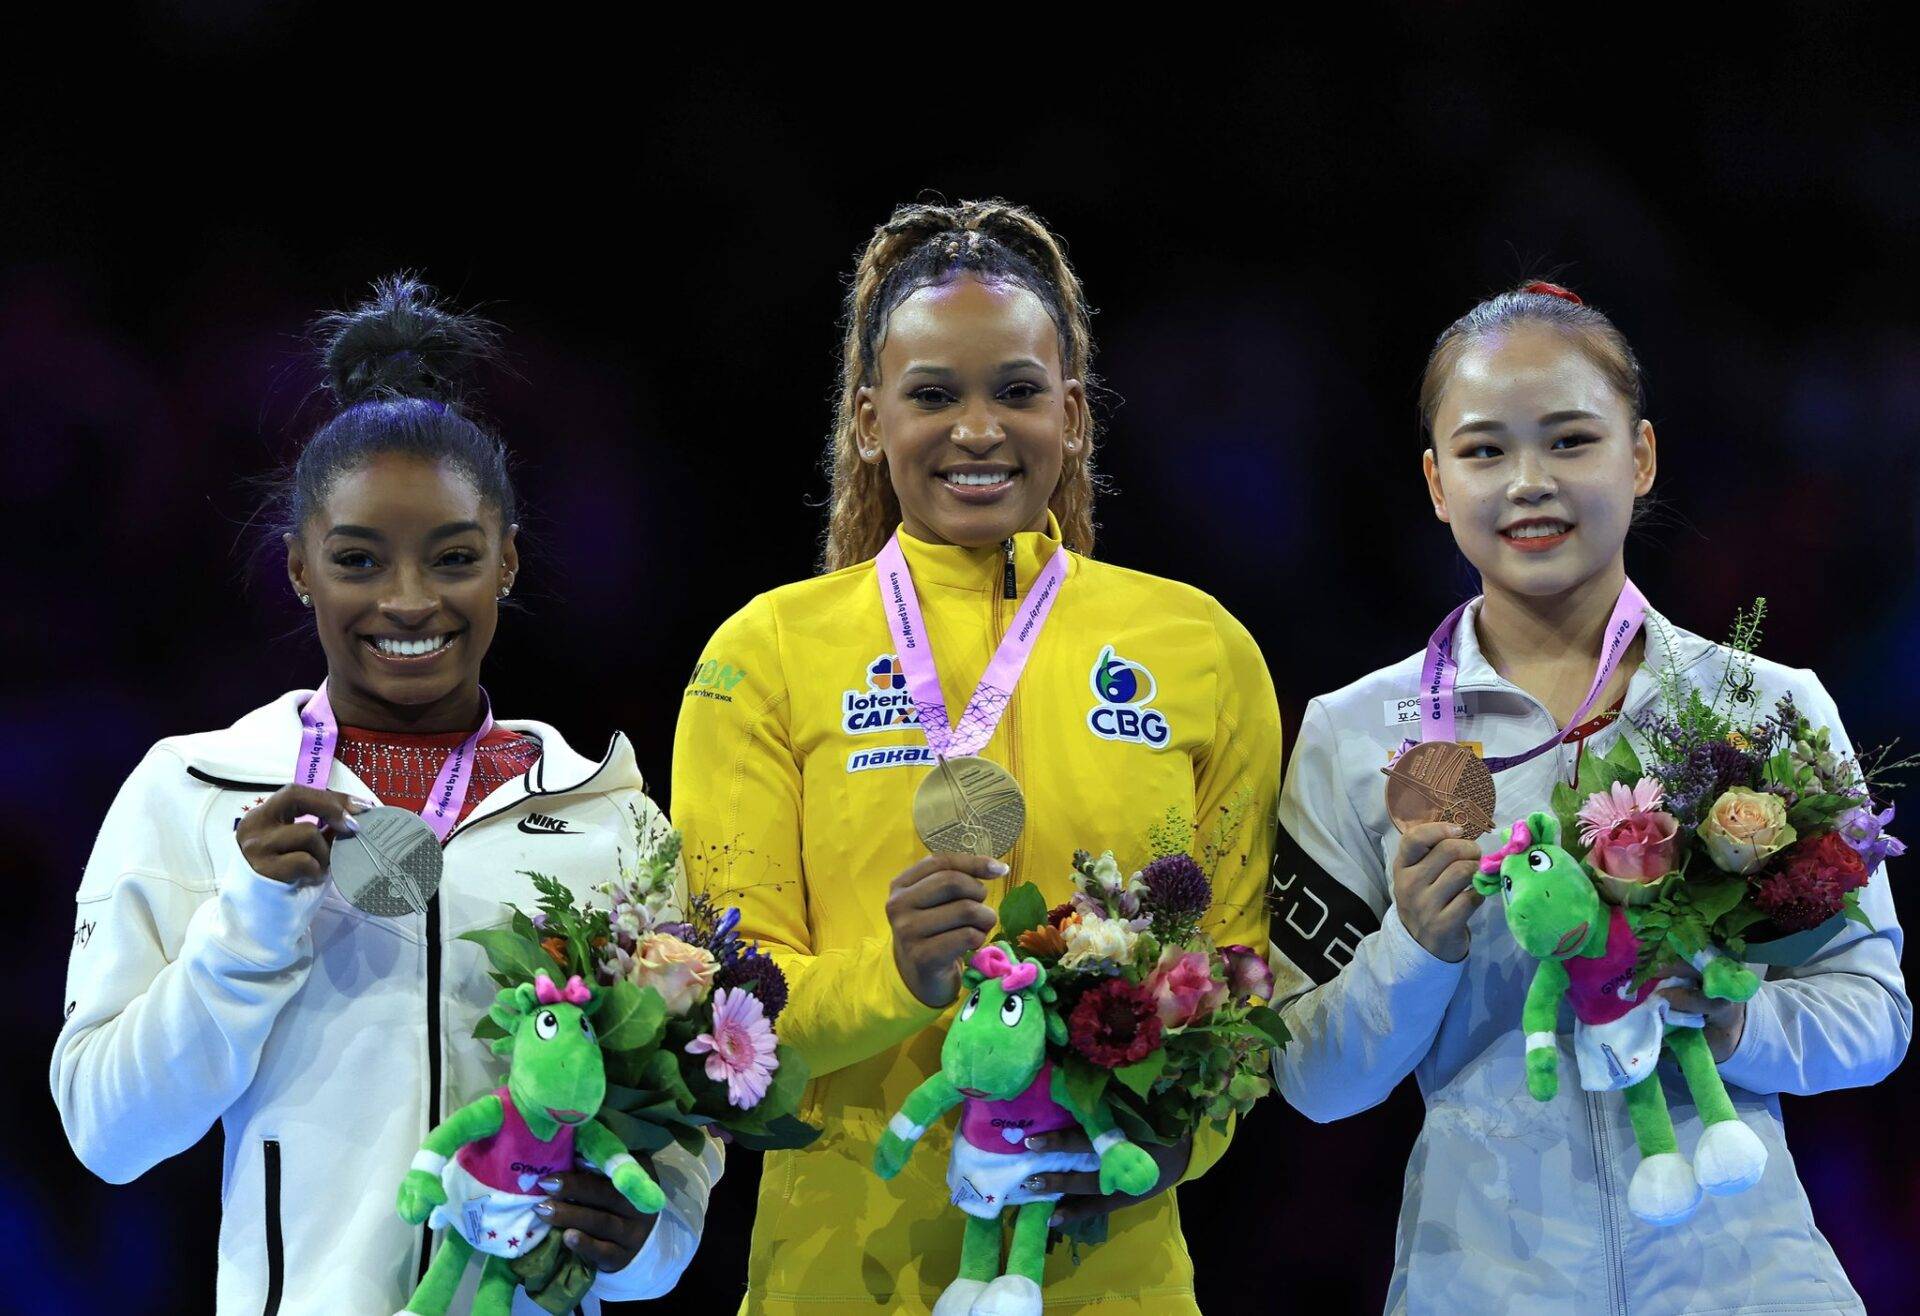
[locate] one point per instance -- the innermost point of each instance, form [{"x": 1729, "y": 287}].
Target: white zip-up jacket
[
  {"x": 1513, "y": 1204},
  {"x": 325, "y": 1041}
]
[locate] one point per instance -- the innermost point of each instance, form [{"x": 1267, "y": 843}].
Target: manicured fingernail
[
  {"x": 543, "y": 1209},
  {"x": 350, "y": 827},
  {"x": 356, "y": 804},
  {"x": 1038, "y": 1142},
  {"x": 997, "y": 868},
  {"x": 1455, "y": 829},
  {"x": 1054, "y": 1221},
  {"x": 571, "y": 1238},
  {"x": 549, "y": 1185},
  {"x": 1032, "y": 1183}
]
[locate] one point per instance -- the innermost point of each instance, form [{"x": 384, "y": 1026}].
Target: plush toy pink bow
[
  {"x": 996, "y": 963},
  {"x": 1517, "y": 840},
  {"x": 574, "y": 993}
]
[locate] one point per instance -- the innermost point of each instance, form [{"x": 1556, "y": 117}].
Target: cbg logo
[
  {"x": 1124, "y": 689},
  {"x": 884, "y": 705}
]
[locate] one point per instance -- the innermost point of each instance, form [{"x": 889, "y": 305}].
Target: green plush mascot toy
[
  {"x": 1588, "y": 952},
  {"x": 479, "y": 1173},
  {"x": 995, "y": 1062}
]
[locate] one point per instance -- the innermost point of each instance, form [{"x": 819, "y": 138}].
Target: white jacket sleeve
[
  {"x": 1369, "y": 998},
  {"x": 687, "y": 1180},
  {"x": 175, "y": 978},
  {"x": 1843, "y": 1019}
]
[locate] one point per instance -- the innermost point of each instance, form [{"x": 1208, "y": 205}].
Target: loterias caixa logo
[
  {"x": 1123, "y": 689},
  {"x": 884, "y": 705}
]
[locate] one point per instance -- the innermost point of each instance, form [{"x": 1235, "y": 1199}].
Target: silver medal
[{"x": 392, "y": 868}]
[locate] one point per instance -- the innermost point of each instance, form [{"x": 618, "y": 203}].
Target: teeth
[
  {"x": 411, "y": 648},
  {"x": 961, "y": 477},
  {"x": 1539, "y": 530}
]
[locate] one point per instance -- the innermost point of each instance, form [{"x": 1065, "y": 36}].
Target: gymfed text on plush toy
[
  {"x": 478, "y": 1174},
  {"x": 1588, "y": 952},
  {"x": 994, "y": 1064}
]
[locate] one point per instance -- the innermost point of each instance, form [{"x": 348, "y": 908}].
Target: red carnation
[
  {"x": 1115, "y": 1024},
  {"x": 1804, "y": 886}
]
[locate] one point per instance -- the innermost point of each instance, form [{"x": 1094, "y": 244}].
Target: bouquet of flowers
[
  {"x": 1170, "y": 1029},
  {"x": 686, "y": 1030},
  {"x": 1742, "y": 829}
]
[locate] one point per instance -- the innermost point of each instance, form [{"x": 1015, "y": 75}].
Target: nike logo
[{"x": 539, "y": 824}]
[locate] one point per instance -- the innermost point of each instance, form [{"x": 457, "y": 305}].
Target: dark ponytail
[{"x": 400, "y": 368}]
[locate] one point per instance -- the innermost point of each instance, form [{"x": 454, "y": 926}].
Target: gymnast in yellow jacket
[{"x": 964, "y": 438}]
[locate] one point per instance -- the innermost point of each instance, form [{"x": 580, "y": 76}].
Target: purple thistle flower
[
  {"x": 1176, "y": 886},
  {"x": 757, "y": 973}
]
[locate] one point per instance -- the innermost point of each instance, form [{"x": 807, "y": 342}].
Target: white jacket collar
[
  {"x": 260, "y": 748},
  {"x": 1667, "y": 647}
]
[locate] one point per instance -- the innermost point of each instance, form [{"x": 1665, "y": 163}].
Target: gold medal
[
  {"x": 1440, "y": 781},
  {"x": 969, "y": 805}
]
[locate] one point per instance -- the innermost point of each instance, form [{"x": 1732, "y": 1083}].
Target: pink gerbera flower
[
  {"x": 1608, "y": 809},
  {"x": 740, "y": 1049}
]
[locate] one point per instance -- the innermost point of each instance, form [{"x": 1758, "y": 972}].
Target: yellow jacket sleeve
[
  {"x": 737, "y": 797},
  {"x": 1236, "y": 802}
]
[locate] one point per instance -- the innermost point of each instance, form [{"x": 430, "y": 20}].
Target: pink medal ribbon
[
  {"x": 1440, "y": 672},
  {"x": 320, "y": 734},
  {"x": 983, "y": 711}
]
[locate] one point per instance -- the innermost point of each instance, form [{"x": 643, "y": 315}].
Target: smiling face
[
  {"x": 1536, "y": 461},
  {"x": 971, "y": 411},
  {"x": 404, "y": 563}
]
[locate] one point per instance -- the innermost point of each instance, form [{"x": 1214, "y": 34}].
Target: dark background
[{"x": 1273, "y": 231}]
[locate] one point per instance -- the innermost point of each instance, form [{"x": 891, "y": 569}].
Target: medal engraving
[
  {"x": 969, "y": 805},
  {"x": 392, "y": 868},
  {"x": 1440, "y": 781}
]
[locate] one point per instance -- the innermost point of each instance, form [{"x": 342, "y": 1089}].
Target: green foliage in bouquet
[
  {"x": 1169, "y": 1030},
  {"x": 686, "y": 1016},
  {"x": 1731, "y": 823}
]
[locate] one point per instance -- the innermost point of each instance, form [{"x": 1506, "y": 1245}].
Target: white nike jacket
[
  {"x": 1512, "y": 1204},
  {"x": 326, "y": 1041}
]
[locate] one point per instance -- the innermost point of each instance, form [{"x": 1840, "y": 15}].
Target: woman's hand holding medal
[
  {"x": 939, "y": 917},
  {"x": 1433, "y": 887},
  {"x": 289, "y": 836}
]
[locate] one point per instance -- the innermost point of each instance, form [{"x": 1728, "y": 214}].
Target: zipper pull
[{"x": 1009, "y": 582}]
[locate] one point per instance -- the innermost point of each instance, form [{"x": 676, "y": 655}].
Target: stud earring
[{"x": 306, "y": 600}]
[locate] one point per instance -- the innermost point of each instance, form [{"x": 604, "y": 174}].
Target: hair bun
[
  {"x": 1544, "y": 289},
  {"x": 403, "y": 342}
]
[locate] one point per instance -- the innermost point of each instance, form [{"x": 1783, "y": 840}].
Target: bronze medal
[
  {"x": 1440, "y": 781},
  {"x": 969, "y": 805}
]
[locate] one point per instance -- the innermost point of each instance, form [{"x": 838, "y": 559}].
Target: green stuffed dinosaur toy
[
  {"x": 1587, "y": 952},
  {"x": 478, "y": 1174},
  {"x": 995, "y": 1062}
]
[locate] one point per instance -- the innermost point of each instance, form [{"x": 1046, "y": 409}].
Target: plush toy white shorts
[
  {"x": 1617, "y": 1055},
  {"x": 498, "y": 1223},
  {"x": 984, "y": 1183}
]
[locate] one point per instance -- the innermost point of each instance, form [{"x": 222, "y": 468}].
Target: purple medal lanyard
[
  {"x": 320, "y": 735},
  {"x": 989, "y": 700},
  {"x": 1440, "y": 672}
]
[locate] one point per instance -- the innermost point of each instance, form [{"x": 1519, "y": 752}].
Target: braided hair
[{"x": 923, "y": 245}]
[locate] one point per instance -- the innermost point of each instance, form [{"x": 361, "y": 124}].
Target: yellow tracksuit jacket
[{"x": 795, "y": 764}]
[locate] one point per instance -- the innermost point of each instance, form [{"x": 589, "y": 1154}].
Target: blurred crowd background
[{"x": 1273, "y": 232}]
